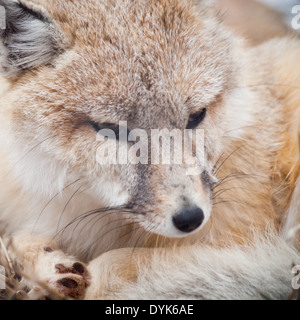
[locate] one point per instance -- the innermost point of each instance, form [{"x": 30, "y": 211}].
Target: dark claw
[
  {"x": 78, "y": 267},
  {"x": 68, "y": 283}
]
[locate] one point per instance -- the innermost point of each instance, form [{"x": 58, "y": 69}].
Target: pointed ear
[{"x": 29, "y": 38}]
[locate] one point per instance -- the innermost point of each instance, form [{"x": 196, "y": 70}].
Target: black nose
[{"x": 189, "y": 219}]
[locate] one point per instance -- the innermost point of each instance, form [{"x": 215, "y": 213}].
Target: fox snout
[
  {"x": 189, "y": 219},
  {"x": 171, "y": 203},
  {"x": 165, "y": 177}
]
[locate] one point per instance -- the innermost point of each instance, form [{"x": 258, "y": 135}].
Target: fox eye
[
  {"x": 196, "y": 118},
  {"x": 120, "y": 131}
]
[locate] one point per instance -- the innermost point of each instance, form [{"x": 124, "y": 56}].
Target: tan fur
[{"x": 153, "y": 64}]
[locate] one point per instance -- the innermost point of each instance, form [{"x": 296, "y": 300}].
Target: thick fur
[
  {"x": 251, "y": 272},
  {"x": 151, "y": 63},
  {"x": 29, "y": 40}
]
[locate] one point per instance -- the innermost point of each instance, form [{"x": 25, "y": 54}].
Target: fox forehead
[{"x": 131, "y": 56}]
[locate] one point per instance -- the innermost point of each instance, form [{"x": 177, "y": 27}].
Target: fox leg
[
  {"x": 259, "y": 271},
  {"x": 61, "y": 274}
]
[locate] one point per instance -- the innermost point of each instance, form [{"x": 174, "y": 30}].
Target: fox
[{"x": 88, "y": 230}]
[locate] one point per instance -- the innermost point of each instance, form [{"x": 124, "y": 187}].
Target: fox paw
[
  {"x": 69, "y": 280},
  {"x": 54, "y": 274}
]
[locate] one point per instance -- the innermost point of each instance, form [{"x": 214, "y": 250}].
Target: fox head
[{"x": 73, "y": 68}]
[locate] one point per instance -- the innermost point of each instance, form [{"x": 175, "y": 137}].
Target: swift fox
[{"x": 88, "y": 230}]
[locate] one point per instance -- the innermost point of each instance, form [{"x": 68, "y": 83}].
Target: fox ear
[{"x": 28, "y": 37}]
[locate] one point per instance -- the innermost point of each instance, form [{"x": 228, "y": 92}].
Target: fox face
[{"x": 76, "y": 68}]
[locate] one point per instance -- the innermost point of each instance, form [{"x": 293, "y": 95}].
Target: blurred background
[
  {"x": 285, "y": 6},
  {"x": 259, "y": 20}
]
